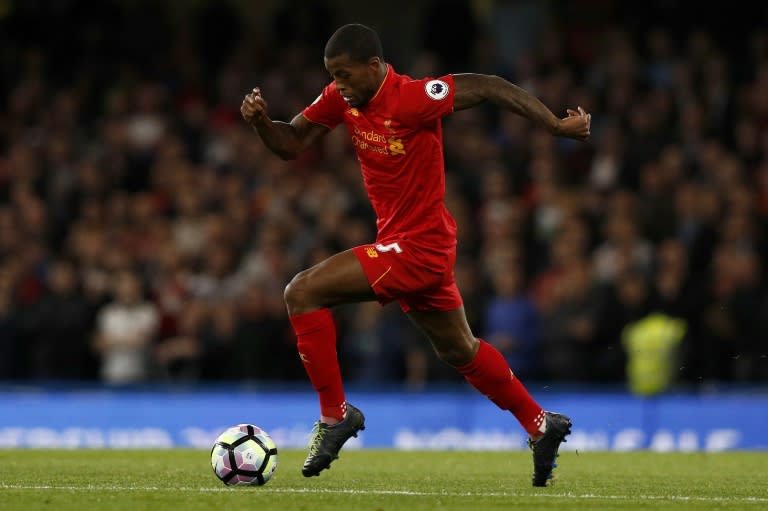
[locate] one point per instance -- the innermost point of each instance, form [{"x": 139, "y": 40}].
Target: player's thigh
[
  {"x": 449, "y": 333},
  {"x": 338, "y": 279}
]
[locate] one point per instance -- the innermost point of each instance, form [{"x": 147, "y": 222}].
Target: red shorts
[{"x": 418, "y": 276}]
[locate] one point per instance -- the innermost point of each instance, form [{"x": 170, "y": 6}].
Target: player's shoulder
[
  {"x": 431, "y": 87},
  {"x": 329, "y": 91},
  {"x": 416, "y": 101},
  {"x": 403, "y": 81},
  {"x": 329, "y": 96}
]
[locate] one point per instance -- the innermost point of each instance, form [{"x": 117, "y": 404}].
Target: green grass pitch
[{"x": 383, "y": 480}]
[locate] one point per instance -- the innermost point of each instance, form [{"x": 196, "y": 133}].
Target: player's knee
[
  {"x": 457, "y": 353},
  {"x": 297, "y": 295}
]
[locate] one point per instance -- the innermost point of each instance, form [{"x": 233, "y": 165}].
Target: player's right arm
[{"x": 287, "y": 140}]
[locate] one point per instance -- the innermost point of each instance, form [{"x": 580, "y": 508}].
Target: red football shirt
[{"x": 398, "y": 139}]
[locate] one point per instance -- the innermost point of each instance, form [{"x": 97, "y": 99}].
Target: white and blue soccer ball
[{"x": 244, "y": 455}]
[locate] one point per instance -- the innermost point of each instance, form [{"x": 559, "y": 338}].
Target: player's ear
[{"x": 374, "y": 62}]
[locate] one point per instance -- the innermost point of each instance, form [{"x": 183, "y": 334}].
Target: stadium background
[{"x": 146, "y": 234}]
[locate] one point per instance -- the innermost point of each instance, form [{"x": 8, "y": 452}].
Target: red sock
[
  {"x": 489, "y": 373},
  {"x": 316, "y": 341}
]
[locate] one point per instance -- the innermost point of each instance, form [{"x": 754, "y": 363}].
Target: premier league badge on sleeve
[{"x": 436, "y": 89}]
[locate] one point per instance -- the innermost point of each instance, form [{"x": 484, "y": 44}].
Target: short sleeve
[
  {"x": 328, "y": 109},
  {"x": 425, "y": 100}
]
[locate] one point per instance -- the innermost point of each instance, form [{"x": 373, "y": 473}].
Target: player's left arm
[{"x": 472, "y": 89}]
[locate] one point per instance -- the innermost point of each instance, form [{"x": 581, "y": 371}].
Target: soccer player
[{"x": 395, "y": 125}]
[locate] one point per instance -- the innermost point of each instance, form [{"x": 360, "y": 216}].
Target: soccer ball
[{"x": 244, "y": 454}]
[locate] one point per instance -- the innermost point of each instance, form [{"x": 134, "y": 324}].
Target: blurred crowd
[{"x": 146, "y": 234}]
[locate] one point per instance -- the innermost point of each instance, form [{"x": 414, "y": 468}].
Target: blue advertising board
[{"x": 140, "y": 418}]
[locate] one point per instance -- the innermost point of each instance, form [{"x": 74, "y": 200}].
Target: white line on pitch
[{"x": 570, "y": 495}]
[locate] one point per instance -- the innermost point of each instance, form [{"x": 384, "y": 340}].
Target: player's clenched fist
[
  {"x": 577, "y": 125},
  {"x": 254, "y": 108}
]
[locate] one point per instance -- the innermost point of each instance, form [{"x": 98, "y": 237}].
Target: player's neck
[{"x": 383, "y": 68}]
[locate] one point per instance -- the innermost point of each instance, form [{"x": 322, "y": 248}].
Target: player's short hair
[{"x": 358, "y": 41}]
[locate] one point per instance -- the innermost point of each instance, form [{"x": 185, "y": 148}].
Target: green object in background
[{"x": 651, "y": 344}]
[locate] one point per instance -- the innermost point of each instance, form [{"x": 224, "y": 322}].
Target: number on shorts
[{"x": 387, "y": 248}]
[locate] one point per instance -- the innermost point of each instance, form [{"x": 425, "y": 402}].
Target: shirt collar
[{"x": 384, "y": 83}]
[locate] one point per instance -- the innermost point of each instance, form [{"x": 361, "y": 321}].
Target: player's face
[{"x": 357, "y": 82}]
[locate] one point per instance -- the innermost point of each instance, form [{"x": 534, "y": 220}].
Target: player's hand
[
  {"x": 254, "y": 108},
  {"x": 577, "y": 125}
]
